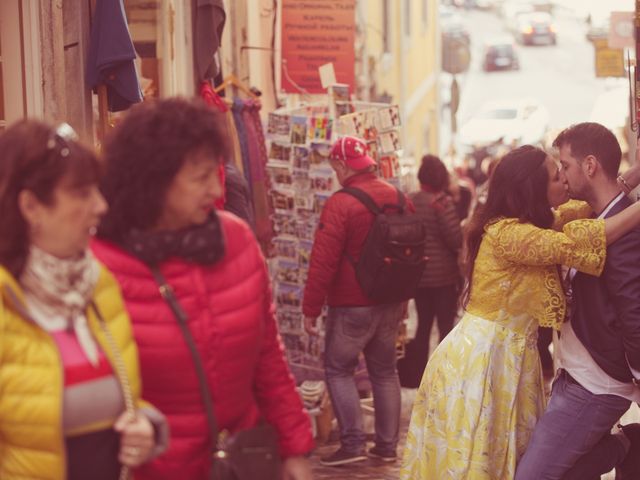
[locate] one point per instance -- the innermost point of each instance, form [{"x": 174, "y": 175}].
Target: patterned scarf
[
  {"x": 61, "y": 289},
  {"x": 200, "y": 244}
]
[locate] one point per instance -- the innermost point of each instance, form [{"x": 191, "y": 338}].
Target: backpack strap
[
  {"x": 363, "y": 197},
  {"x": 400, "y": 205}
]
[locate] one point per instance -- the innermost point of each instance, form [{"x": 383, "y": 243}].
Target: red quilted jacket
[
  {"x": 232, "y": 320},
  {"x": 343, "y": 228}
]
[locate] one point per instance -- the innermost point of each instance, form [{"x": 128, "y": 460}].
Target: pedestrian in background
[
  {"x": 355, "y": 323},
  {"x": 482, "y": 392},
  {"x": 162, "y": 179},
  {"x": 437, "y": 294},
  {"x": 70, "y": 403}
]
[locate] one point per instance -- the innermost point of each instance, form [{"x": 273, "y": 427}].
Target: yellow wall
[{"x": 409, "y": 72}]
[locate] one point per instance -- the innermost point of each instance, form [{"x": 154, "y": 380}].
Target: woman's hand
[
  {"x": 137, "y": 439},
  {"x": 296, "y": 468}
]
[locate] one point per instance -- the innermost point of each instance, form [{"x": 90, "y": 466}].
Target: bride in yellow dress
[{"x": 482, "y": 391}]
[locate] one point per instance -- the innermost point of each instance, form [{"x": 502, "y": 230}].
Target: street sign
[
  {"x": 621, "y": 30},
  {"x": 609, "y": 61}
]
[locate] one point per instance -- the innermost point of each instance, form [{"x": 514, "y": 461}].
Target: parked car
[
  {"x": 500, "y": 54},
  {"x": 516, "y": 121},
  {"x": 535, "y": 29}
]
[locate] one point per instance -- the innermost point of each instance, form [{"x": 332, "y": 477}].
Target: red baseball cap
[{"x": 353, "y": 152}]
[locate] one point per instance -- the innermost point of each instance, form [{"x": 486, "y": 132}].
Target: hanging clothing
[
  {"x": 111, "y": 55},
  {"x": 246, "y": 114},
  {"x": 209, "y": 20}
]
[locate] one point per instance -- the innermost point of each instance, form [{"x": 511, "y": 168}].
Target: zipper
[{"x": 63, "y": 442}]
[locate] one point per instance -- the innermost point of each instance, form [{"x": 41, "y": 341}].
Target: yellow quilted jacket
[
  {"x": 516, "y": 270},
  {"x": 31, "y": 379}
]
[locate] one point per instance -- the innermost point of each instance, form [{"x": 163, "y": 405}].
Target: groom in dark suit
[{"x": 599, "y": 348}]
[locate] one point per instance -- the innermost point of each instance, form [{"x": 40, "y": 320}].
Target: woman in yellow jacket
[{"x": 70, "y": 403}]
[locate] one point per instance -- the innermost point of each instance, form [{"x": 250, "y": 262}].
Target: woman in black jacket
[{"x": 437, "y": 293}]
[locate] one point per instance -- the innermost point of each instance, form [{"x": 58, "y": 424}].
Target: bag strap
[
  {"x": 363, "y": 197},
  {"x": 371, "y": 205},
  {"x": 167, "y": 293}
]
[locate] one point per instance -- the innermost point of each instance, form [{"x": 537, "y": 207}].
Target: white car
[{"x": 517, "y": 122}]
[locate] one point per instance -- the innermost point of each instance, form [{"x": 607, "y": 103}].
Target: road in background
[{"x": 562, "y": 77}]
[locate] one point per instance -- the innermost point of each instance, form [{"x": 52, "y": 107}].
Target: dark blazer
[{"x": 606, "y": 309}]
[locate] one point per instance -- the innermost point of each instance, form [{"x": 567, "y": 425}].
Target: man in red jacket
[{"x": 355, "y": 323}]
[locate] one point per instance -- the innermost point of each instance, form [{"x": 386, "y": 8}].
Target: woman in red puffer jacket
[{"x": 162, "y": 178}]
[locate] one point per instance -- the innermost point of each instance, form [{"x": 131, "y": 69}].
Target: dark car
[
  {"x": 535, "y": 29},
  {"x": 500, "y": 54}
]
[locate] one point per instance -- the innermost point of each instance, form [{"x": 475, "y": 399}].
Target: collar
[
  {"x": 611, "y": 204},
  {"x": 359, "y": 177}
]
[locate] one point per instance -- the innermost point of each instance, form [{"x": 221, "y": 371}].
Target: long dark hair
[
  {"x": 145, "y": 152},
  {"x": 517, "y": 189},
  {"x": 34, "y": 157}
]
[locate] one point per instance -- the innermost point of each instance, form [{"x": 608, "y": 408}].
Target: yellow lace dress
[{"x": 482, "y": 393}]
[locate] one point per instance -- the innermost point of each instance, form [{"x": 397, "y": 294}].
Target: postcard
[
  {"x": 288, "y": 271},
  {"x": 320, "y": 128},
  {"x": 301, "y": 181},
  {"x": 280, "y": 174},
  {"x": 389, "y": 166},
  {"x": 301, "y": 157},
  {"x": 299, "y": 130},
  {"x": 285, "y": 224},
  {"x": 280, "y": 151},
  {"x": 282, "y": 199},
  {"x": 389, "y": 117},
  {"x": 289, "y": 295},
  {"x": 285, "y": 247},
  {"x": 351, "y": 124},
  {"x": 322, "y": 179},
  {"x": 320, "y": 200},
  {"x": 304, "y": 253},
  {"x": 319, "y": 153},
  {"x": 290, "y": 321},
  {"x": 370, "y": 124},
  {"x": 343, "y": 109},
  {"x": 372, "y": 148},
  {"x": 279, "y": 125},
  {"x": 389, "y": 142},
  {"x": 339, "y": 92}
]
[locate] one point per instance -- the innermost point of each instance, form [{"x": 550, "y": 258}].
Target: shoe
[
  {"x": 342, "y": 457},
  {"x": 379, "y": 454},
  {"x": 629, "y": 469}
]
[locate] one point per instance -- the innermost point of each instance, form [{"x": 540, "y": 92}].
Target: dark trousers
[{"x": 431, "y": 302}]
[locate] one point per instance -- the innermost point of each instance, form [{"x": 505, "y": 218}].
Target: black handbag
[{"x": 250, "y": 454}]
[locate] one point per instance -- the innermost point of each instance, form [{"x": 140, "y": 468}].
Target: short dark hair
[
  {"x": 590, "y": 138},
  {"x": 517, "y": 189},
  {"x": 433, "y": 173},
  {"x": 34, "y": 157},
  {"x": 145, "y": 152}
]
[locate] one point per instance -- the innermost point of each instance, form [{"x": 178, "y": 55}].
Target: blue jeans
[
  {"x": 372, "y": 330},
  {"x": 574, "y": 423}
]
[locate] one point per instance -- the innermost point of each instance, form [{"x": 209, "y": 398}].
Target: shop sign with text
[{"x": 314, "y": 33}]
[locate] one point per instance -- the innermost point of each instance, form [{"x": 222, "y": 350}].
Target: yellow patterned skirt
[{"x": 479, "y": 400}]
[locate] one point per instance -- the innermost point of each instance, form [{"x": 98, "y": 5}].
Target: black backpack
[{"x": 392, "y": 258}]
